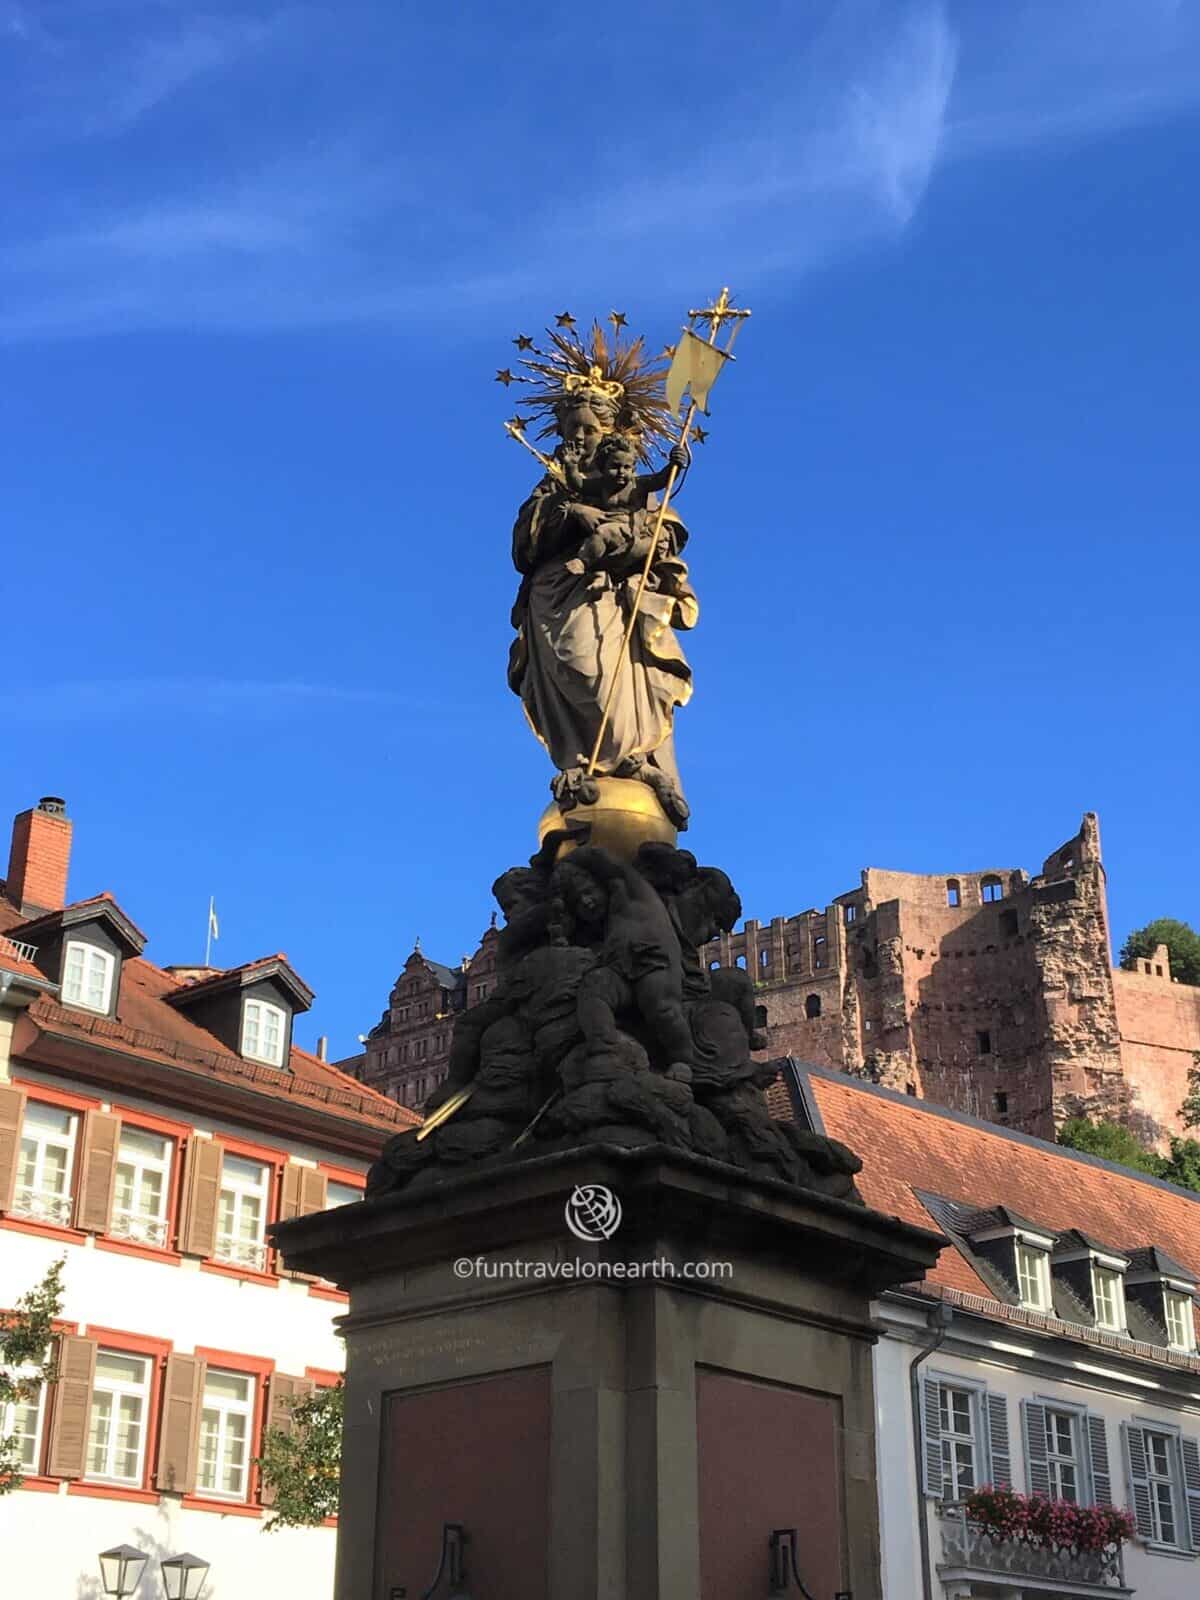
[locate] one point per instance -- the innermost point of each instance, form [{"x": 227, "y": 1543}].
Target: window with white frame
[
  {"x": 142, "y": 1187},
  {"x": 46, "y": 1165},
  {"x": 1160, "y": 1473},
  {"x": 264, "y": 1028},
  {"x": 1108, "y": 1291},
  {"x": 242, "y": 1212},
  {"x": 960, "y": 1473},
  {"x": 341, "y": 1194},
  {"x": 1033, "y": 1276},
  {"x": 87, "y": 976},
  {"x": 226, "y": 1426},
  {"x": 21, "y": 1423},
  {"x": 1181, "y": 1324},
  {"x": 1062, "y": 1454},
  {"x": 120, "y": 1406}
]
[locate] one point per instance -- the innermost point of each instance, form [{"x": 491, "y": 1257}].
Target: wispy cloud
[{"x": 358, "y": 210}]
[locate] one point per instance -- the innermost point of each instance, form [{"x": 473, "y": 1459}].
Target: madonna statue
[{"x": 581, "y": 543}]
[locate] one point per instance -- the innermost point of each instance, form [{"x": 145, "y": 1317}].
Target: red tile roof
[
  {"x": 908, "y": 1145},
  {"x": 147, "y": 1027}
]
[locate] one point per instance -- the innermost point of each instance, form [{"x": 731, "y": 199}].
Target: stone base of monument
[{"x": 646, "y": 1416}]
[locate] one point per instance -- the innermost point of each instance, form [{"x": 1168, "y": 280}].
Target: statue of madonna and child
[{"x": 606, "y": 1024}]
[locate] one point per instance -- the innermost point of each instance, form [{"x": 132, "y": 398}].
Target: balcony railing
[
  {"x": 969, "y": 1548},
  {"x": 241, "y": 1253},
  {"x": 42, "y": 1205},
  {"x": 16, "y": 947},
  {"x": 139, "y": 1228}
]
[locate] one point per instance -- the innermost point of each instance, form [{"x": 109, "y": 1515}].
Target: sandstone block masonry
[{"x": 989, "y": 992}]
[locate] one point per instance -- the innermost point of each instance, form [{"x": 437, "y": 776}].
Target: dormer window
[
  {"x": 1108, "y": 1296},
  {"x": 264, "y": 1028},
  {"x": 87, "y": 976},
  {"x": 1181, "y": 1325},
  {"x": 1033, "y": 1276}
]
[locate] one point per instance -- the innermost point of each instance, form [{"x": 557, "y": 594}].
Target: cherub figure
[{"x": 612, "y": 506}]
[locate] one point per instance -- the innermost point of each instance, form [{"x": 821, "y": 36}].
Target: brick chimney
[{"x": 40, "y": 857}]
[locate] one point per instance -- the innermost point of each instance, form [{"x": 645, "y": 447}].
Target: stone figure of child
[{"x": 612, "y": 507}]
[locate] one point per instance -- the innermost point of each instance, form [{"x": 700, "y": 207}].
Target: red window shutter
[
  {"x": 72, "y": 1407},
  {"x": 183, "y": 1390},
  {"x": 202, "y": 1189},
  {"x": 12, "y": 1110},
  {"x": 98, "y": 1171}
]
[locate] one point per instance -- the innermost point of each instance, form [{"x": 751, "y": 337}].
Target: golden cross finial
[{"x": 722, "y": 310}]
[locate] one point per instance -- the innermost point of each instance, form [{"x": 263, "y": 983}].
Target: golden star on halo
[
  {"x": 564, "y": 320},
  {"x": 504, "y": 376},
  {"x": 618, "y": 319},
  {"x": 699, "y": 435},
  {"x": 523, "y": 342}
]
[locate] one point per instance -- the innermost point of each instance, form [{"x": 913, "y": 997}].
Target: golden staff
[
  {"x": 721, "y": 311},
  {"x": 516, "y": 430}
]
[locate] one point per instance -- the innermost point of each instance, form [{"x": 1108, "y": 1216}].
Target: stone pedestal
[{"x": 627, "y": 1419}]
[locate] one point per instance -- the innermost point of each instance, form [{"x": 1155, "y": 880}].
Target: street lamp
[
  {"x": 121, "y": 1569},
  {"x": 183, "y": 1576}
]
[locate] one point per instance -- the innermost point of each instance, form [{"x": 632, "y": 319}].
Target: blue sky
[{"x": 257, "y": 267}]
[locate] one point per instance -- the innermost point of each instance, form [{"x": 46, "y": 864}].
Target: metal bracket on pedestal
[
  {"x": 451, "y": 1566},
  {"x": 783, "y": 1546}
]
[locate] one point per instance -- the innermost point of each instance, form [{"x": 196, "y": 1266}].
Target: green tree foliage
[
  {"x": 1115, "y": 1143},
  {"x": 1111, "y": 1141},
  {"x": 1190, "y": 1109},
  {"x": 26, "y": 1360},
  {"x": 1182, "y": 942},
  {"x": 304, "y": 1464},
  {"x": 1183, "y": 1164}
]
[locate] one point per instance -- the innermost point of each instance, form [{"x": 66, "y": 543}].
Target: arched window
[
  {"x": 992, "y": 889},
  {"x": 714, "y": 966},
  {"x": 812, "y": 1006},
  {"x": 953, "y": 892},
  {"x": 820, "y": 948},
  {"x": 740, "y": 962}
]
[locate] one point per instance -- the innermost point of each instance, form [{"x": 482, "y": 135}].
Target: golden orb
[{"x": 626, "y": 815}]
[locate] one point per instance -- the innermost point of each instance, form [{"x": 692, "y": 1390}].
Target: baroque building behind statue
[{"x": 987, "y": 991}]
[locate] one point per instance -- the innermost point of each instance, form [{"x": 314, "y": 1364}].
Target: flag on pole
[
  {"x": 694, "y": 367},
  {"x": 214, "y": 929}
]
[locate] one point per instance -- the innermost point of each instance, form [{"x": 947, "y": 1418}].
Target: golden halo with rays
[{"x": 617, "y": 369}]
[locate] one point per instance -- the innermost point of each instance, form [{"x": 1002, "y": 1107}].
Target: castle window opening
[
  {"x": 820, "y": 947},
  {"x": 741, "y": 962},
  {"x": 851, "y": 913},
  {"x": 812, "y": 1006},
  {"x": 953, "y": 892},
  {"x": 1009, "y": 926},
  {"x": 992, "y": 890},
  {"x": 764, "y": 959},
  {"x": 714, "y": 966},
  {"x": 984, "y": 1040},
  {"x": 1001, "y": 1102}
]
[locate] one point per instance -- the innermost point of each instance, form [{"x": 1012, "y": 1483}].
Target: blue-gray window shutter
[
  {"x": 931, "y": 1436},
  {"x": 1191, "y": 1483},
  {"x": 997, "y": 1421},
  {"x": 1097, "y": 1443},
  {"x": 1139, "y": 1478},
  {"x": 1033, "y": 1418}
]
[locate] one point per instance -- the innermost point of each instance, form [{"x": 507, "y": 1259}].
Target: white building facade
[
  {"x": 1053, "y": 1350},
  {"x": 153, "y": 1124}
]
